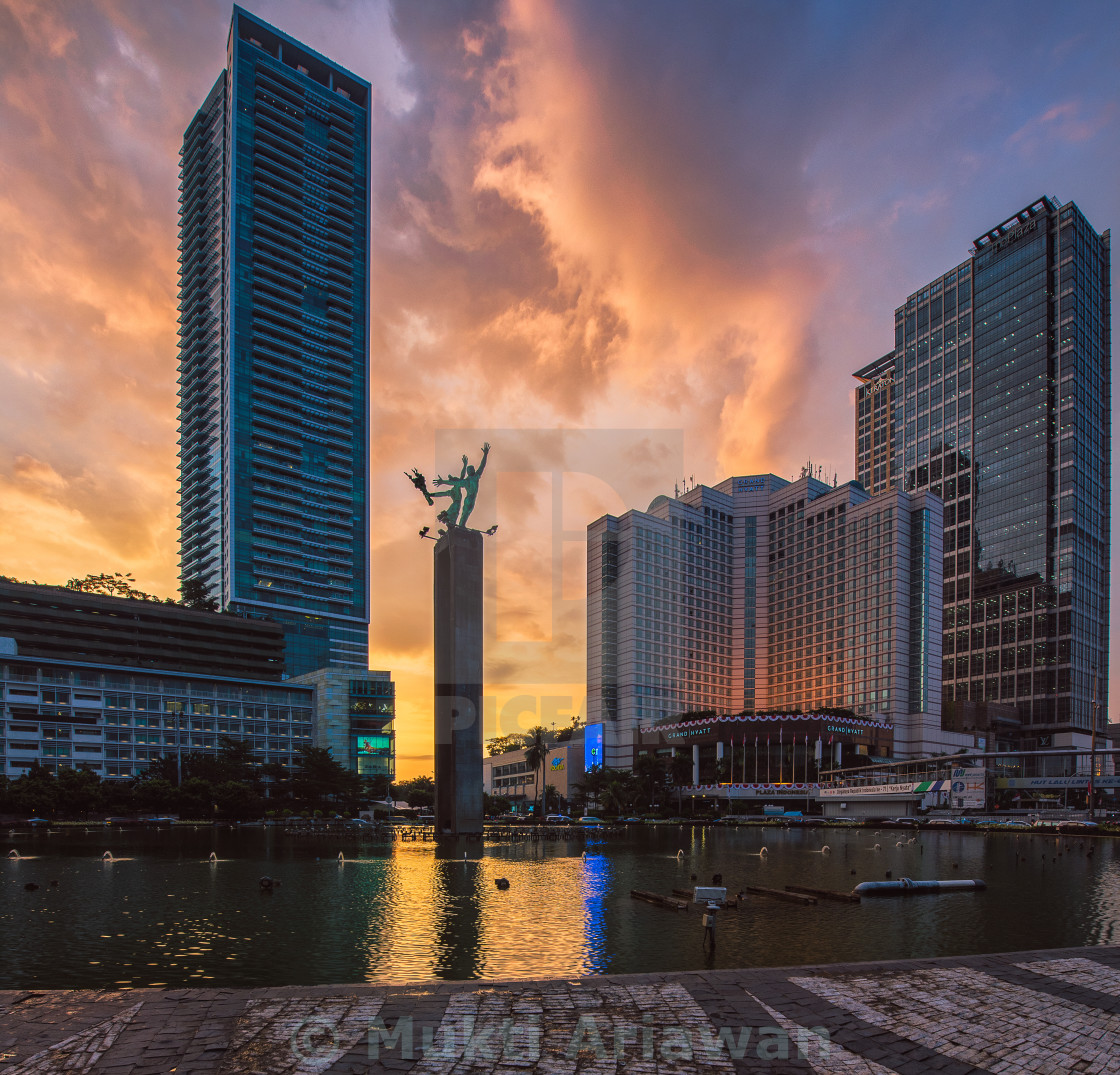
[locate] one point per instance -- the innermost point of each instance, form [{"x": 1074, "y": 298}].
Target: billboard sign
[
  {"x": 970, "y": 788},
  {"x": 592, "y": 747}
]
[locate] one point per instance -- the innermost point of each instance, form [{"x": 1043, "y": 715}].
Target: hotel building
[{"x": 763, "y": 595}]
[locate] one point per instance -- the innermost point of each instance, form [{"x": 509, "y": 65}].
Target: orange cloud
[{"x": 626, "y": 244}]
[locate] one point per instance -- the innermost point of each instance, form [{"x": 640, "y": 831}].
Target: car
[
  {"x": 631, "y": 821},
  {"x": 557, "y": 819},
  {"x": 588, "y": 820}
]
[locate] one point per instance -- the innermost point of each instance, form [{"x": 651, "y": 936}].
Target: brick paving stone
[{"x": 1026, "y": 1012}]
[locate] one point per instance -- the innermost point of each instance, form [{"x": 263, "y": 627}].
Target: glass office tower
[
  {"x": 274, "y": 345},
  {"x": 1001, "y": 382}
]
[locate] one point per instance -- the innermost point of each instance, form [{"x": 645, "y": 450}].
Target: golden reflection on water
[{"x": 455, "y": 923}]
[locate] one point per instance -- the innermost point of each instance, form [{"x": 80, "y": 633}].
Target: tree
[
  {"x": 377, "y": 787},
  {"x": 79, "y": 792},
  {"x": 237, "y": 800},
  {"x": 36, "y": 792},
  {"x": 495, "y": 804},
  {"x": 319, "y": 779},
  {"x": 277, "y": 779},
  {"x": 550, "y": 793},
  {"x": 196, "y": 799},
  {"x": 504, "y": 744},
  {"x": 194, "y": 593},
  {"x": 165, "y": 768},
  {"x": 620, "y": 787},
  {"x": 591, "y": 786},
  {"x": 680, "y": 773},
  {"x": 155, "y": 795},
  {"x": 536, "y": 753},
  {"x": 233, "y": 760},
  {"x": 650, "y": 769},
  {"x": 418, "y": 792},
  {"x": 565, "y": 734},
  {"x": 114, "y": 585},
  {"x": 237, "y": 760}
]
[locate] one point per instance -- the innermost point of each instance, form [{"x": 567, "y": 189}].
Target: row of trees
[
  {"x": 648, "y": 786},
  {"x": 228, "y": 783},
  {"x": 193, "y": 592}
]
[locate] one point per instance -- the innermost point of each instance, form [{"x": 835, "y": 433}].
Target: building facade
[
  {"x": 56, "y": 623},
  {"x": 115, "y": 720},
  {"x": 875, "y": 469},
  {"x": 755, "y": 755},
  {"x": 354, "y": 714},
  {"x": 274, "y": 345},
  {"x": 762, "y": 595},
  {"x": 1000, "y": 383},
  {"x": 509, "y": 776}
]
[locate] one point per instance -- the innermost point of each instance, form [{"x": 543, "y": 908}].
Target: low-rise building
[
  {"x": 508, "y": 775},
  {"x": 55, "y": 623},
  {"x": 116, "y": 720},
  {"x": 764, "y": 752}
]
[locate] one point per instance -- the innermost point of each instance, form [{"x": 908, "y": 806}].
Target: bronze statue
[{"x": 461, "y": 491}]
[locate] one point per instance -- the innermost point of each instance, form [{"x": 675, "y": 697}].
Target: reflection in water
[
  {"x": 458, "y": 913},
  {"x": 596, "y": 869},
  {"x": 414, "y": 911}
]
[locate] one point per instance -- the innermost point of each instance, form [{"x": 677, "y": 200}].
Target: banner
[{"x": 970, "y": 788}]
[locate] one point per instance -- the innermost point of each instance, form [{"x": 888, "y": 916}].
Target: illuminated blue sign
[{"x": 592, "y": 747}]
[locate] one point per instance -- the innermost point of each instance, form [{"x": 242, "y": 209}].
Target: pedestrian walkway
[{"x": 1030, "y": 1012}]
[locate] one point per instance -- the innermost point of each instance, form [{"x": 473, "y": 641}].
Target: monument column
[{"x": 458, "y": 682}]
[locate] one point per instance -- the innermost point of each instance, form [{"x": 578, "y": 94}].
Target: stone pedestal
[{"x": 458, "y": 681}]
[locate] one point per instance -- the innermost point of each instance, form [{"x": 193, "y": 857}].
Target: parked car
[
  {"x": 588, "y": 820},
  {"x": 557, "y": 819}
]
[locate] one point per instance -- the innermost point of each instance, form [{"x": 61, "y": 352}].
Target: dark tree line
[{"x": 228, "y": 783}]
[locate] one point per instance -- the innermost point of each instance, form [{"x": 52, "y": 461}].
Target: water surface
[{"x": 403, "y": 912}]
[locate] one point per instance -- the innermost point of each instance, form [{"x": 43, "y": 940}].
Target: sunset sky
[{"x": 626, "y": 242}]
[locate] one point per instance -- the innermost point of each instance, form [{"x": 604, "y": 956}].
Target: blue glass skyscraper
[
  {"x": 274, "y": 345},
  {"x": 997, "y": 398}
]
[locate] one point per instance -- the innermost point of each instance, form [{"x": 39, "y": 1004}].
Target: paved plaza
[{"x": 1037, "y": 1012}]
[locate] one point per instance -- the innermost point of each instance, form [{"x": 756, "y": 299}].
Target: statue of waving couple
[{"x": 461, "y": 491}]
